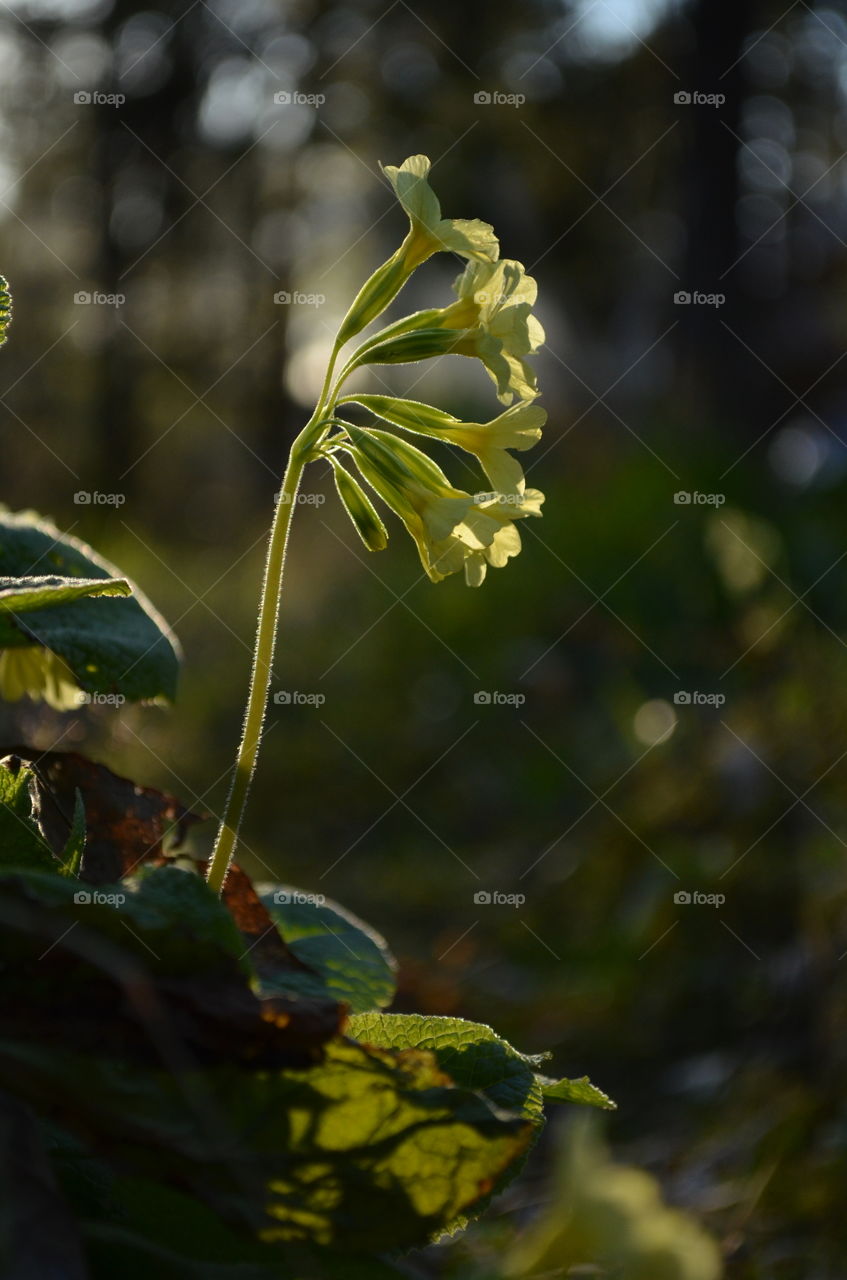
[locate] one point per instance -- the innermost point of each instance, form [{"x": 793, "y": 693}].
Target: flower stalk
[{"x": 454, "y": 530}]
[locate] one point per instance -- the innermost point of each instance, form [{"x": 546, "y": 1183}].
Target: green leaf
[
  {"x": 109, "y": 645},
  {"x": 75, "y": 847},
  {"x": 367, "y": 1150},
  {"x": 5, "y": 309},
  {"x": 21, "y": 841},
  {"x": 470, "y": 1052},
  {"x": 581, "y": 1091},
  {"x": 351, "y": 960},
  {"x": 475, "y": 1056},
  {"x": 22, "y": 595}
]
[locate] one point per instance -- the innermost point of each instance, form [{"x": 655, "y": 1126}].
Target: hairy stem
[{"x": 263, "y": 654}]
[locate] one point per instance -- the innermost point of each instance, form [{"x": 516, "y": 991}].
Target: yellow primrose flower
[
  {"x": 491, "y": 321},
  {"x": 429, "y": 232},
  {"x": 486, "y": 536},
  {"x": 519, "y": 427},
  {"x": 498, "y": 299},
  {"x": 451, "y": 528},
  {"x": 39, "y": 673}
]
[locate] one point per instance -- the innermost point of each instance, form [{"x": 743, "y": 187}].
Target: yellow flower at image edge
[
  {"x": 452, "y": 529},
  {"x": 40, "y": 674},
  {"x": 430, "y": 233}
]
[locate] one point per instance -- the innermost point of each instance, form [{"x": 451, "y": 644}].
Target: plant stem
[{"x": 263, "y": 654}]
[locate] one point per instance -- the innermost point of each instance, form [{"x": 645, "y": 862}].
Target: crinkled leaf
[
  {"x": 470, "y": 1052},
  {"x": 369, "y": 1150},
  {"x": 581, "y": 1091},
  {"x": 111, "y": 645},
  {"x": 346, "y": 958}
]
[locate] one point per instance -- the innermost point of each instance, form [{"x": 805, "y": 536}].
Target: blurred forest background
[{"x": 241, "y": 166}]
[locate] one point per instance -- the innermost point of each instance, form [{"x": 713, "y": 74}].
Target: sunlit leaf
[
  {"x": 346, "y": 957},
  {"x": 120, "y": 647}
]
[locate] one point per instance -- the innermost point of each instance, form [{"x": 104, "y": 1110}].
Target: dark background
[{"x": 720, "y": 1031}]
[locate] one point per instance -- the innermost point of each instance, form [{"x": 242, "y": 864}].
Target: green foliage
[
  {"x": 475, "y": 1056},
  {"x": 109, "y": 646},
  {"x": 22, "y": 595},
  {"x": 21, "y": 842},
  {"x": 346, "y": 958}
]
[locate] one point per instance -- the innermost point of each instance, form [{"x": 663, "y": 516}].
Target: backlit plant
[{"x": 198, "y": 1074}]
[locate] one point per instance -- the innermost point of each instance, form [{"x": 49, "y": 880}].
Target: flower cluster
[{"x": 491, "y": 320}]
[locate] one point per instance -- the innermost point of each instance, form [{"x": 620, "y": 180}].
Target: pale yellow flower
[
  {"x": 451, "y": 528},
  {"x": 429, "y": 232},
  {"x": 495, "y": 303}
]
